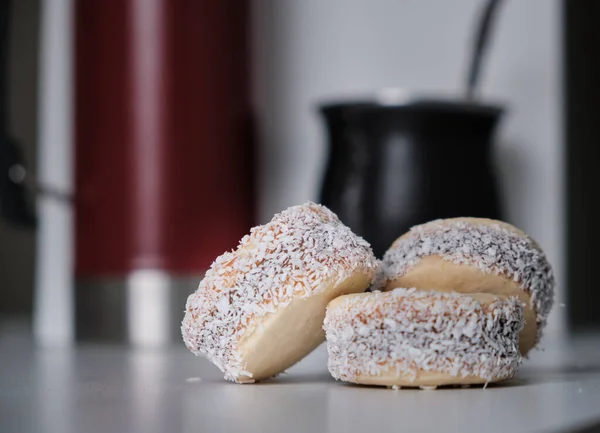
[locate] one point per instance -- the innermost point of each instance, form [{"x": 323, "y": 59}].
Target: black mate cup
[{"x": 392, "y": 166}]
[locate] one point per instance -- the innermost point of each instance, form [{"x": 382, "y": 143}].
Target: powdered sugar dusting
[
  {"x": 411, "y": 331},
  {"x": 491, "y": 248},
  {"x": 302, "y": 251}
]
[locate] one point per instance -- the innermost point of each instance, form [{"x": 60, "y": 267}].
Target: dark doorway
[{"x": 582, "y": 141}]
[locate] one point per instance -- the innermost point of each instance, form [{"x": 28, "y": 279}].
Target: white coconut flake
[
  {"x": 491, "y": 248},
  {"x": 193, "y": 379},
  {"x": 301, "y": 252},
  {"x": 421, "y": 340}
]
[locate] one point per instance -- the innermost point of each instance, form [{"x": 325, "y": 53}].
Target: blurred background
[{"x": 141, "y": 139}]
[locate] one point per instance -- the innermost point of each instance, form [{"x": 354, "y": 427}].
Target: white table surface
[{"x": 103, "y": 388}]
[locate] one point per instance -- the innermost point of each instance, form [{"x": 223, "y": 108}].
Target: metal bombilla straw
[{"x": 481, "y": 40}]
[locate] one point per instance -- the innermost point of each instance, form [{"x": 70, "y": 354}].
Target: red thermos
[{"x": 163, "y": 157}]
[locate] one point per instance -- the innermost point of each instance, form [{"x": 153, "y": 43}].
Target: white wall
[
  {"x": 53, "y": 320},
  {"x": 305, "y": 51}
]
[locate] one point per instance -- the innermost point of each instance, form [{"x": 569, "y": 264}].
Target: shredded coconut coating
[
  {"x": 411, "y": 331},
  {"x": 301, "y": 252},
  {"x": 492, "y": 249}
]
